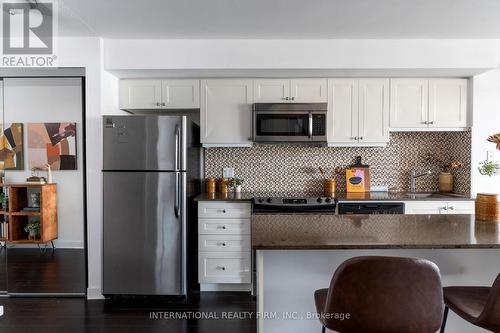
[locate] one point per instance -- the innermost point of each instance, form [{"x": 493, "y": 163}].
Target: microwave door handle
[{"x": 310, "y": 125}]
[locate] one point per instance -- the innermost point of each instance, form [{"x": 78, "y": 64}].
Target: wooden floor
[
  {"x": 24, "y": 270},
  {"x": 78, "y": 315}
]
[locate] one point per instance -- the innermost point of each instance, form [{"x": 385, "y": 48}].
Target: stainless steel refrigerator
[{"x": 150, "y": 171}]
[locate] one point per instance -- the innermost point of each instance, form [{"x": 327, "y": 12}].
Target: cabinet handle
[
  {"x": 451, "y": 208},
  {"x": 158, "y": 104},
  {"x": 355, "y": 138},
  {"x": 223, "y": 227},
  {"x": 163, "y": 104},
  {"x": 361, "y": 138},
  {"x": 287, "y": 98},
  {"x": 292, "y": 98},
  {"x": 425, "y": 122},
  {"x": 223, "y": 211},
  {"x": 430, "y": 122},
  {"x": 223, "y": 244},
  {"x": 221, "y": 268},
  {"x": 444, "y": 208}
]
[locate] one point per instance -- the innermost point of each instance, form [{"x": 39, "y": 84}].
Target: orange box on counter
[{"x": 358, "y": 177}]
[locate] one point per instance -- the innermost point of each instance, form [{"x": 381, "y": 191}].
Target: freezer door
[
  {"x": 144, "y": 143},
  {"x": 144, "y": 233}
]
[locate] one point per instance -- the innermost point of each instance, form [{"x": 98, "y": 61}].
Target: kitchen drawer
[
  {"x": 224, "y": 267},
  {"x": 224, "y": 226},
  {"x": 224, "y": 209},
  {"x": 223, "y": 243}
]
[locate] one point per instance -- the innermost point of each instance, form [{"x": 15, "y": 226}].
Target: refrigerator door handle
[
  {"x": 177, "y": 147},
  {"x": 177, "y": 195}
]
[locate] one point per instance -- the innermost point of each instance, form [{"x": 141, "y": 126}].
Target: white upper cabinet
[
  {"x": 308, "y": 91},
  {"x": 447, "y": 103},
  {"x": 180, "y": 94},
  {"x": 151, "y": 94},
  {"x": 271, "y": 90},
  {"x": 428, "y": 103},
  {"x": 373, "y": 110},
  {"x": 226, "y": 112},
  {"x": 358, "y": 112},
  {"x": 140, "y": 94},
  {"x": 409, "y": 103},
  {"x": 290, "y": 91},
  {"x": 342, "y": 117}
]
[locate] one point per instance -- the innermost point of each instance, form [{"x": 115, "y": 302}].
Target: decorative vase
[
  {"x": 237, "y": 189},
  {"x": 487, "y": 208},
  {"x": 329, "y": 185},
  {"x": 33, "y": 234},
  {"x": 445, "y": 182}
]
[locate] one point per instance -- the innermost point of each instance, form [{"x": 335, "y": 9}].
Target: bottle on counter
[{"x": 211, "y": 185}]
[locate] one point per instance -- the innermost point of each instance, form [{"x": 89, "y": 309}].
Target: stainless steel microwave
[{"x": 289, "y": 122}]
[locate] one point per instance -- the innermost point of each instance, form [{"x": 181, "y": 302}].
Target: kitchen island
[{"x": 298, "y": 253}]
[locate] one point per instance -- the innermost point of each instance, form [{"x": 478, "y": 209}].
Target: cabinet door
[
  {"x": 180, "y": 94},
  {"x": 226, "y": 112},
  {"x": 426, "y": 207},
  {"x": 271, "y": 90},
  {"x": 308, "y": 90},
  {"x": 140, "y": 94},
  {"x": 461, "y": 207},
  {"x": 342, "y": 118},
  {"x": 409, "y": 103},
  {"x": 447, "y": 103},
  {"x": 373, "y": 111}
]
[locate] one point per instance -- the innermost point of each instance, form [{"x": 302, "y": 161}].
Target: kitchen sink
[{"x": 437, "y": 195}]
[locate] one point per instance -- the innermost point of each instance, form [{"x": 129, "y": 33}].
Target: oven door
[{"x": 269, "y": 126}]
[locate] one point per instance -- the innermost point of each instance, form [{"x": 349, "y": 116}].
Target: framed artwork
[
  {"x": 11, "y": 147},
  {"x": 53, "y": 144}
]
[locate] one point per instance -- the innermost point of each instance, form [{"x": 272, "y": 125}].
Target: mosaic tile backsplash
[{"x": 295, "y": 167}]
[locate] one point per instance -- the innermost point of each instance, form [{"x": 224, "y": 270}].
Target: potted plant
[
  {"x": 4, "y": 201},
  {"x": 33, "y": 229},
  {"x": 445, "y": 176},
  {"x": 236, "y": 183},
  {"x": 489, "y": 168}
]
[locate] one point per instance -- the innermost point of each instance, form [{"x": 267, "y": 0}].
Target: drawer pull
[
  {"x": 223, "y": 211},
  {"x": 221, "y": 268},
  {"x": 223, "y": 244},
  {"x": 451, "y": 208}
]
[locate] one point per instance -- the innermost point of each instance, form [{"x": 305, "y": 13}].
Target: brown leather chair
[
  {"x": 383, "y": 295},
  {"x": 479, "y": 306}
]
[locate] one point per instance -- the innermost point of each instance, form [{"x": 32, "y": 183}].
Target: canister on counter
[
  {"x": 211, "y": 185},
  {"x": 329, "y": 185},
  {"x": 487, "y": 208},
  {"x": 224, "y": 185}
]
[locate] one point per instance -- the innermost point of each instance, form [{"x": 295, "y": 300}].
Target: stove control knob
[
  {"x": 319, "y": 200},
  {"x": 328, "y": 200},
  {"x": 261, "y": 200},
  {"x": 269, "y": 200}
]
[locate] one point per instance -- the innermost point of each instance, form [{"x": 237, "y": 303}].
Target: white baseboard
[
  {"x": 94, "y": 293},
  {"x": 225, "y": 287}
]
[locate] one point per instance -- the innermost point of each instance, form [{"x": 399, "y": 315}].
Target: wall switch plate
[{"x": 227, "y": 172}]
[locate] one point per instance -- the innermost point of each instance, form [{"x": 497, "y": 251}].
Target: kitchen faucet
[{"x": 413, "y": 179}]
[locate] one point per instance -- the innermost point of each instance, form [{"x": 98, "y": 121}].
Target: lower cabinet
[
  {"x": 439, "y": 207},
  {"x": 224, "y": 245}
]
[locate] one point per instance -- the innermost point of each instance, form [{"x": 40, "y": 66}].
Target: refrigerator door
[
  {"x": 144, "y": 233},
  {"x": 144, "y": 143}
]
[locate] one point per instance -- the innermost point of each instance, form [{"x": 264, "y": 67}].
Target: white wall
[
  {"x": 486, "y": 119},
  {"x": 298, "y": 54},
  {"x": 87, "y": 53},
  {"x": 42, "y": 100}
]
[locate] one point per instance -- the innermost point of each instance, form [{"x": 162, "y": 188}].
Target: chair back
[
  {"x": 490, "y": 317},
  {"x": 385, "y": 295}
]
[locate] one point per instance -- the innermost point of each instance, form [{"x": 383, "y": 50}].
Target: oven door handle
[{"x": 310, "y": 125}]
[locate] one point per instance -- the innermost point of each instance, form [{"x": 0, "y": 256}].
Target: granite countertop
[
  {"x": 328, "y": 231},
  {"x": 341, "y": 197}
]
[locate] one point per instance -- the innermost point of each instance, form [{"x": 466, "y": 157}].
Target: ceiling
[{"x": 295, "y": 19}]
